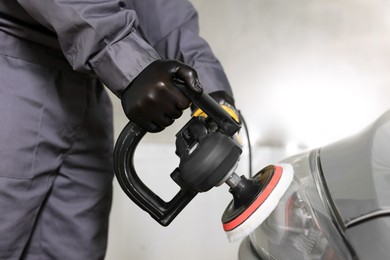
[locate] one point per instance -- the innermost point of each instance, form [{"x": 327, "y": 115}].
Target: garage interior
[{"x": 304, "y": 74}]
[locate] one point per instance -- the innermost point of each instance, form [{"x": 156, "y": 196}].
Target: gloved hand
[{"x": 153, "y": 101}]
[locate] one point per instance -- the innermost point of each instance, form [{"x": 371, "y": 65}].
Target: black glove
[{"x": 153, "y": 101}]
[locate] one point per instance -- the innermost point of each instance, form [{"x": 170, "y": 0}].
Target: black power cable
[{"x": 249, "y": 143}]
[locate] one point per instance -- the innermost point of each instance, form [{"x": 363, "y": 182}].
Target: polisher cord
[{"x": 249, "y": 142}]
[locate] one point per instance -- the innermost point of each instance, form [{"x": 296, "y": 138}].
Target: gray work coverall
[{"x": 56, "y": 133}]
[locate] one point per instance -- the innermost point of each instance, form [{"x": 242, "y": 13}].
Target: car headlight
[{"x": 302, "y": 226}]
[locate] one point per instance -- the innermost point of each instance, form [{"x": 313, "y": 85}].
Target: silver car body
[{"x": 338, "y": 206}]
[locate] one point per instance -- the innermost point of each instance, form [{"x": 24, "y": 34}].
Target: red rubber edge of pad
[{"x": 257, "y": 203}]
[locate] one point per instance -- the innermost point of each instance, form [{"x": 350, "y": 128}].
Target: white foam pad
[{"x": 266, "y": 207}]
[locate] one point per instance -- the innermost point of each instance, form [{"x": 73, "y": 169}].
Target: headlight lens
[{"x": 301, "y": 227}]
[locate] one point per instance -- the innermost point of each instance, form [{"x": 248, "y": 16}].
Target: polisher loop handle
[
  {"x": 163, "y": 212},
  {"x": 207, "y": 104}
]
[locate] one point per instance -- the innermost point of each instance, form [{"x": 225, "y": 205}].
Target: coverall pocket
[
  {"x": 20, "y": 117},
  {"x": 19, "y": 127}
]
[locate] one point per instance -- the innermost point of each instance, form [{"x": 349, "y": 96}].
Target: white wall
[{"x": 304, "y": 74}]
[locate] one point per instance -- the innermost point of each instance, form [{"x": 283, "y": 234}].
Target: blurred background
[{"x": 304, "y": 73}]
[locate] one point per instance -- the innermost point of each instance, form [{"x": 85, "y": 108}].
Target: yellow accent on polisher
[{"x": 231, "y": 112}]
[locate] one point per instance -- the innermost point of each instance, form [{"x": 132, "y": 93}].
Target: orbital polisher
[{"x": 209, "y": 155}]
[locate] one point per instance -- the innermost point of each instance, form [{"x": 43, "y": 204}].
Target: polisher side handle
[{"x": 163, "y": 212}]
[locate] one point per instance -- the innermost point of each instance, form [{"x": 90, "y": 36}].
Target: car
[{"x": 338, "y": 206}]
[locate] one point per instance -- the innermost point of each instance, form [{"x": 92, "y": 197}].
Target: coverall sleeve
[
  {"x": 172, "y": 28},
  {"x": 98, "y": 36}
]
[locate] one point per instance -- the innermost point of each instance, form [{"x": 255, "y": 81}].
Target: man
[{"x": 56, "y": 130}]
